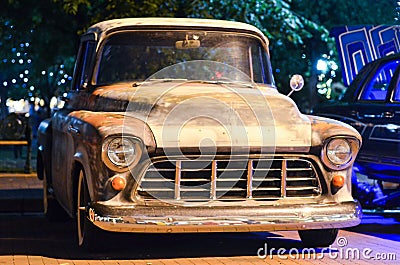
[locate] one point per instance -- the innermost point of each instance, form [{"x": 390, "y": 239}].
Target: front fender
[
  {"x": 324, "y": 128},
  {"x": 109, "y": 123},
  {"x": 90, "y": 130}
]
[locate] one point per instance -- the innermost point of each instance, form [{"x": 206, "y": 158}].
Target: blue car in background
[{"x": 371, "y": 104}]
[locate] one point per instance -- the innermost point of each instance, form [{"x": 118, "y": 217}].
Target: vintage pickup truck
[{"x": 176, "y": 126}]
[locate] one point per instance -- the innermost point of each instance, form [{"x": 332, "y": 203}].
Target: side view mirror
[
  {"x": 296, "y": 83},
  {"x": 64, "y": 98}
]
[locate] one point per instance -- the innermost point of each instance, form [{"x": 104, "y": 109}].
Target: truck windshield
[{"x": 137, "y": 55}]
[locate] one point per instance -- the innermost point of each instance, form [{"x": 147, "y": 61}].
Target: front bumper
[{"x": 147, "y": 219}]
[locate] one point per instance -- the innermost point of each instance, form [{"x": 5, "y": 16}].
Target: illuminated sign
[{"x": 359, "y": 45}]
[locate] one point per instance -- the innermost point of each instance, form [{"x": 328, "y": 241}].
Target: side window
[
  {"x": 83, "y": 66},
  {"x": 378, "y": 86},
  {"x": 260, "y": 65},
  {"x": 396, "y": 92}
]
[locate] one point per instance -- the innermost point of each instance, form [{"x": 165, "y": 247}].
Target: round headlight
[
  {"x": 339, "y": 151},
  {"x": 121, "y": 151}
]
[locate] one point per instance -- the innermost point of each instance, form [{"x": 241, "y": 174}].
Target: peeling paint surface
[{"x": 262, "y": 115}]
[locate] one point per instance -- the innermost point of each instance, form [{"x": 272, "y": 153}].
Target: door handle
[
  {"x": 354, "y": 113},
  {"x": 73, "y": 130},
  {"x": 387, "y": 114}
]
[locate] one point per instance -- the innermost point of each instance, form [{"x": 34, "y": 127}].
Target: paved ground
[
  {"x": 20, "y": 193},
  {"x": 29, "y": 239},
  {"x": 13, "y": 158}
]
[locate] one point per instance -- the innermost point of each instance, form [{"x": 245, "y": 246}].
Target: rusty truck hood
[{"x": 211, "y": 114}]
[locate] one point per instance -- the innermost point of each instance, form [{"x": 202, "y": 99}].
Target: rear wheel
[
  {"x": 318, "y": 237},
  {"x": 86, "y": 230}
]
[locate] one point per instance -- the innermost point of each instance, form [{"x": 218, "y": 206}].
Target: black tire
[
  {"x": 318, "y": 237},
  {"x": 86, "y": 231},
  {"x": 51, "y": 208}
]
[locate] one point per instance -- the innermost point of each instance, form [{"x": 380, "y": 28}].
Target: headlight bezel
[
  {"x": 352, "y": 142},
  {"x": 121, "y": 167}
]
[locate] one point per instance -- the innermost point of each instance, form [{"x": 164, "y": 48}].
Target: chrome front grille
[{"x": 230, "y": 180}]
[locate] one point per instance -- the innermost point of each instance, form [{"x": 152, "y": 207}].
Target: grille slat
[
  {"x": 194, "y": 189},
  {"x": 301, "y": 188},
  {"x": 265, "y": 179},
  {"x": 155, "y": 179},
  {"x": 158, "y": 190},
  {"x": 194, "y": 180},
  {"x": 298, "y": 178},
  {"x": 224, "y": 180},
  {"x": 230, "y": 189},
  {"x": 221, "y": 179},
  {"x": 267, "y": 188},
  {"x": 299, "y": 169}
]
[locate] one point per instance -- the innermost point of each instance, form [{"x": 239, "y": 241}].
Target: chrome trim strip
[
  {"x": 178, "y": 179},
  {"x": 250, "y": 179},
  {"x": 213, "y": 189},
  {"x": 283, "y": 179}
]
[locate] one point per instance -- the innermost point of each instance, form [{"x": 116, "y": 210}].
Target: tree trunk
[{"x": 3, "y": 101}]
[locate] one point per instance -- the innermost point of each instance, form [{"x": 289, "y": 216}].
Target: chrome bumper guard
[{"x": 146, "y": 219}]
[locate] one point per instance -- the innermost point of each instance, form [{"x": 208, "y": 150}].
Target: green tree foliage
[
  {"x": 342, "y": 12},
  {"x": 286, "y": 29},
  {"x": 274, "y": 17},
  {"x": 330, "y": 14},
  {"x": 298, "y": 31},
  {"x": 36, "y": 37}
]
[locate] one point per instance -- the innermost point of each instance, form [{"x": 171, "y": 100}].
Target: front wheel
[
  {"x": 318, "y": 237},
  {"x": 86, "y": 230}
]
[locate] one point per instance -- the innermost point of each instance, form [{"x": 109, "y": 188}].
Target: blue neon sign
[{"x": 359, "y": 45}]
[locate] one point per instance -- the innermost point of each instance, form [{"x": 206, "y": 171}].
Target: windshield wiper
[
  {"x": 167, "y": 80},
  {"x": 136, "y": 84},
  {"x": 226, "y": 82},
  {"x": 215, "y": 82}
]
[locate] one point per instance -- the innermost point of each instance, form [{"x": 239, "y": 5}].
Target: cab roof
[{"x": 102, "y": 28}]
